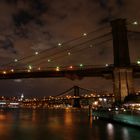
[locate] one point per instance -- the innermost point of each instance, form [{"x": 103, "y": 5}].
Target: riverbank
[{"x": 128, "y": 118}]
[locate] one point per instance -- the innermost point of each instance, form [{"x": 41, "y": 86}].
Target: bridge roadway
[{"x": 104, "y": 71}]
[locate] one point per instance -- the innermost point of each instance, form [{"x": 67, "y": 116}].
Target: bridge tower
[
  {"x": 122, "y": 74},
  {"x": 76, "y": 101}
]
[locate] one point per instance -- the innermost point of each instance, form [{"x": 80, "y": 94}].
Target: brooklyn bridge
[{"x": 122, "y": 71}]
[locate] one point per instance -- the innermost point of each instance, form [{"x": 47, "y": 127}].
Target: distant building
[{"x": 21, "y": 97}]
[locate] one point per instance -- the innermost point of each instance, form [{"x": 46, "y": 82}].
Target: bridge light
[
  {"x": 28, "y": 70},
  {"x": 15, "y": 60},
  {"x": 39, "y": 68},
  {"x": 135, "y": 23},
  {"x": 138, "y": 62},
  {"x": 12, "y": 70},
  {"x": 71, "y": 67},
  {"x": 69, "y": 53},
  {"x": 105, "y": 99},
  {"x": 4, "y": 72},
  {"x": 106, "y": 65},
  {"x": 84, "y": 34},
  {"x": 36, "y": 53},
  {"x": 59, "y": 44},
  {"x": 81, "y": 65},
  {"x": 49, "y": 60}
]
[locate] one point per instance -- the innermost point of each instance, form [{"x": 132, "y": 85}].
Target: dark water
[{"x": 25, "y": 124}]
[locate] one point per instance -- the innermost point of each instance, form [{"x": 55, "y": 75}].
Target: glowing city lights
[
  {"x": 116, "y": 108},
  {"x": 95, "y": 103},
  {"x": 100, "y": 99},
  {"x": 57, "y": 68},
  {"x": 30, "y": 67}
]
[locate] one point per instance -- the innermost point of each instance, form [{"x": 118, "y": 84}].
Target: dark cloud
[
  {"x": 22, "y": 17},
  {"x": 21, "y": 32},
  {"x": 38, "y": 6},
  {"x": 11, "y": 1},
  {"x": 120, "y": 2},
  {"x": 29, "y": 11},
  {"x": 8, "y": 44},
  {"x": 105, "y": 20},
  {"x": 112, "y": 9},
  {"x": 111, "y": 3},
  {"x": 103, "y": 3}
]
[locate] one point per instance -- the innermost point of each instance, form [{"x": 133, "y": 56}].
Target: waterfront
[{"x": 28, "y": 124}]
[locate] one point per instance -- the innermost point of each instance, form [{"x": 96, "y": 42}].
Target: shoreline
[{"x": 121, "y": 118}]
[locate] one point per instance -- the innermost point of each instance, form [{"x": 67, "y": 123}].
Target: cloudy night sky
[{"x": 29, "y": 26}]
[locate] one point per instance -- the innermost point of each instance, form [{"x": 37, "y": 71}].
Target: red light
[{"x": 71, "y": 67}]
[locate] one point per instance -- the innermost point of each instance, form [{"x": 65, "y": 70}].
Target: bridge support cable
[
  {"x": 56, "y": 46},
  {"x": 55, "y": 58},
  {"x": 64, "y": 93},
  {"x": 58, "y": 55}
]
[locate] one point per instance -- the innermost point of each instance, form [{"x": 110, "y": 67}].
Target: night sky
[{"x": 27, "y": 26}]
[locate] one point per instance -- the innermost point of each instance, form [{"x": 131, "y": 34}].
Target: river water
[{"x": 35, "y": 124}]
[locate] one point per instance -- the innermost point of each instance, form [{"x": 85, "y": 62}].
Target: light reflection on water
[
  {"x": 26, "y": 124},
  {"x": 110, "y": 131}
]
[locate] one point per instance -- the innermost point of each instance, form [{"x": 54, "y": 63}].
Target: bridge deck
[{"x": 71, "y": 74}]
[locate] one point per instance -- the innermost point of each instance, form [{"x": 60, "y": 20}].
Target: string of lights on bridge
[
  {"x": 57, "y": 68},
  {"x": 54, "y": 57},
  {"x": 71, "y": 50}
]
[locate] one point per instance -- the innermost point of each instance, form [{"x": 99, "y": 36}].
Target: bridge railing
[{"x": 60, "y": 68}]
